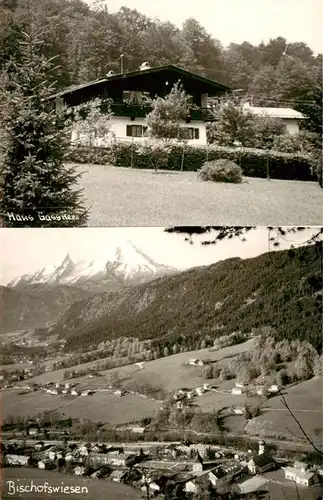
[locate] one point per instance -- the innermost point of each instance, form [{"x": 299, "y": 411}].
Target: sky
[
  {"x": 29, "y": 250},
  {"x": 240, "y": 20}
]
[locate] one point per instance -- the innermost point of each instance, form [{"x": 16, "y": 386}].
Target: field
[
  {"x": 132, "y": 197},
  {"x": 98, "y": 489},
  {"x": 305, "y": 401},
  {"x": 101, "y": 407}
]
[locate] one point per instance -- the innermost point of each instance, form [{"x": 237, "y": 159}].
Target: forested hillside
[
  {"x": 193, "y": 308},
  {"x": 88, "y": 43}
]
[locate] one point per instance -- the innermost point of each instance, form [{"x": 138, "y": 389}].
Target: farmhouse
[
  {"x": 237, "y": 390},
  {"x": 196, "y": 362},
  {"x": 17, "y": 459},
  {"x": 130, "y": 93},
  {"x": 117, "y": 475},
  {"x": 290, "y": 117},
  {"x": 300, "y": 475}
]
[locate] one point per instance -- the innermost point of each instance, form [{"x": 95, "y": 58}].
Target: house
[
  {"x": 33, "y": 431},
  {"x": 198, "y": 464},
  {"x": 191, "y": 487},
  {"x": 117, "y": 475},
  {"x": 240, "y": 385},
  {"x": 45, "y": 464},
  {"x": 196, "y": 362},
  {"x": 300, "y": 475},
  {"x": 239, "y": 410},
  {"x": 261, "y": 463},
  {"x": 74, "y": 392},
  {"x": 206, "y": 387},
  {"x": 200, "y": 391},
  {"x": 130, "y": 93},
  {"x": 79, "y": 470},
  {"x": 17, "y": 459},
  {"x": 237, "y": 390},
  {"x": 119, "y": 392},
  {"x": 273, "y": 388},
  {"x": 290, "y": 117}
]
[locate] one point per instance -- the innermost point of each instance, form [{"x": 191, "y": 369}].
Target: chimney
[{"x": 144, "y": 65}]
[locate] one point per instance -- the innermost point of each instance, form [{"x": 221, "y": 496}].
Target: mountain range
[
  {"x": 280, "y": 289},
  {"x": 36, "y": 299}
]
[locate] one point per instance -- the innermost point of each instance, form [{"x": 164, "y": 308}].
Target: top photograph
[{"x": 137, "y": 113}]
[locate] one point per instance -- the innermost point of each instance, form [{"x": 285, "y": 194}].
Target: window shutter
[
  {"x": 129, "y": 130},
  {"x": 197, "y": 133}
]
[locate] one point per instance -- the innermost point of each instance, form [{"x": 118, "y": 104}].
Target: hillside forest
[
  {"x": 88, "y": 42},
  {"x": 192, "y": 309}
]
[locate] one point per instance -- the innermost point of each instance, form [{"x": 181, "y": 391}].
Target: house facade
[
  {"x": 290, "y": 117},
  {"x": 261, "y": 463},
  {"x": 130, "y": 94},
  {"x": 300, "y": 476}
]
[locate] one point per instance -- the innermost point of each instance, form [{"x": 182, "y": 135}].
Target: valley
[{"x": 219, "y": 357}]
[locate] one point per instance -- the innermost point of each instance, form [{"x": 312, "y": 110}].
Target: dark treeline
[
  {"x": 197, "y": 306},
  {"x": 88, "y": 43}
]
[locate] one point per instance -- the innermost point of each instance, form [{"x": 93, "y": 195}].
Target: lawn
[
  {"x": 98, "y": 489},
  {"x": 121, "y": 196}
]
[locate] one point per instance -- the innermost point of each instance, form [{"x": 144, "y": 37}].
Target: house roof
[
  {"x": 262, "y": 459},
  {"x": 275, "y": 112},
  {"x": 299, "y": 473},
  {"x": 150, "y": 80}
]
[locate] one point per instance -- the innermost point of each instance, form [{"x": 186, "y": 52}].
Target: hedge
[{"x": 149, "y": 155}]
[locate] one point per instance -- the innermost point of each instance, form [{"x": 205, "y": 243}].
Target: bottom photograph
[{"x": 169, "y": 363}]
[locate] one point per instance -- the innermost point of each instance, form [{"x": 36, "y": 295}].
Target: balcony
[
  {"x": 131, "y": 110},
  {"x": 204, "y": 114},
  {"x": 142, "y": 110}
]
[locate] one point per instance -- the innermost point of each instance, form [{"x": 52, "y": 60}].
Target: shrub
[{"x": 222, "y": 170}]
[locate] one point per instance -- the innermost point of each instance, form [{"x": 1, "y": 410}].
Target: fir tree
[{"x": 37, "y": 189}]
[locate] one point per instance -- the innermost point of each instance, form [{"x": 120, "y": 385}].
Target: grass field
[
  {"x": 101, "y": 407},
  {"x": 305, "y": 401},
  {"x": 168, "y": 373},
  {"x": 98, "y": 489},
  {"x": 132, "y": 197}
]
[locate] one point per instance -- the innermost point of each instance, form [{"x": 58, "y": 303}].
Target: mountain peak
[{"x": 126, "y": 263}]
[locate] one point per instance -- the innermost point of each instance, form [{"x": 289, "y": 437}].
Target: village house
[
  {"x": 300, "y": 474},
  {"x": 130, "y": 94},
  {"x": 237, "y": 390},
  {"x": 117, "y": 475},
  {"x": 290, "y": 117},
  {"x": 261, "y": 463},
  {"x": 17, "y": 459},
  {"x": 239, "y": 410},
  {"x": 119, "y": 392},
  {"x": 273, "y": 388},
  {"x": 79, "y": 470},
  {"x": 196, "y": 362},
  {"x": 46, "y": 464}
]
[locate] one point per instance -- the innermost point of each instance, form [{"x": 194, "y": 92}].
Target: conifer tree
[{"x": 37, "y": 189}]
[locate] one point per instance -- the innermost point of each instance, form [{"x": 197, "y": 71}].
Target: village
[{"x": 156, "y": 466}]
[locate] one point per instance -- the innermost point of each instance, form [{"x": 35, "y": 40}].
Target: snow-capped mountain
[{"x": 125, "y": 265}]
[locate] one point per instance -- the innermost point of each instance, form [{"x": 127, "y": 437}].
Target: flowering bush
[{"x": 222, "y": 170}]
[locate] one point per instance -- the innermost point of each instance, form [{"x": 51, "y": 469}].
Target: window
[
  {"x": 136, "y": 130},
  {"x": 189, "y": 133}
]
